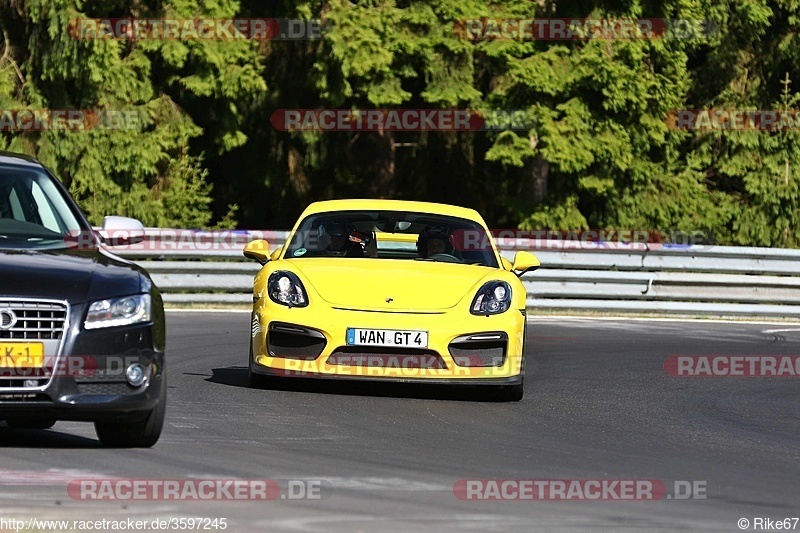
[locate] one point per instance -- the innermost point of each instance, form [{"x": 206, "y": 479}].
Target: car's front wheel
[
  {"x": 514, "y": 393},
  {"x": 256, "y": 381},
  {"x": 140, "y": 434}
]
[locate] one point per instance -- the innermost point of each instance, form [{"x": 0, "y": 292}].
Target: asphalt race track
[{"x": 598, "y": 405}]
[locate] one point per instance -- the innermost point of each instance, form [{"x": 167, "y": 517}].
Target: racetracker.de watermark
[
  {"x": 117, "y": 489},
  {"x": 753, "y": 366},
  {"x": 98, "y": 367},
  {"x": 619, "y": 238},
  {"x": 578, "y": 490},
  {"x": 212, "y": 29},
  {"x": 22, "y": 120},
  {"x": 733, "y": 120},
  {"x": 167, "y": 240},
  {"x": 400, "y": 120},
  {"x": 582, "y": 29},
  {"x": 391, "y": 366}
]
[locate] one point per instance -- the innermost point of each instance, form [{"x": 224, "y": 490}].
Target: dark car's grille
[
  {"x": 113, "y": 389},
  {"x": 31, "y": 320},
  {"x": 38, "y": 321}
]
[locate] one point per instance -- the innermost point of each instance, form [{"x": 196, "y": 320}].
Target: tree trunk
[
  {"x": 534, "y": 180},
  {"x": 297, "y": 173},
  {"x": 380, "y": 183}
]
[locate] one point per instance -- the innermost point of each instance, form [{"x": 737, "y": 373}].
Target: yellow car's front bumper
[{"x": 338, "y": 360}]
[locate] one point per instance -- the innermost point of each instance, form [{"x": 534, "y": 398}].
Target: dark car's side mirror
[{"x": 121, "y": 231}]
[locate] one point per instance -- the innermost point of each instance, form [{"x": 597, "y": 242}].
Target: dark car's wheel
[
  {"x": 30, "y": 423},
  {"x": 140, "y": 434}
]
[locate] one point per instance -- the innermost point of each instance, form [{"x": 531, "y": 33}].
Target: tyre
[
  {"x": 256, "y": 381},
  {"x": 30, "y": 423},
  {"x": 139, "y": 434},
  {"x": 514, "y": 393},
  {"x": 508, "y": 393}
]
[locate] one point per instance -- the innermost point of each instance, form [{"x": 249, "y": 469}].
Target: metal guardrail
[{"x": 644, "y": 278}]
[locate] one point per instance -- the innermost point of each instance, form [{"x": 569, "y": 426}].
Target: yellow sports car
[{"x": 389, "y": 290}]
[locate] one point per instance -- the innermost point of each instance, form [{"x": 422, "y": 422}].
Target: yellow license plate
[{"x": 21, "y": 354}]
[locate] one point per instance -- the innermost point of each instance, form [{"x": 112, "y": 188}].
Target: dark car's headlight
[
  {"x": 123, "y": 311},
  {"x": 284, "y": 288},
  {"x": 493, "y": 298}
]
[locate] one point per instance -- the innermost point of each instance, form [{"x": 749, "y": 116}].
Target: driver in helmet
[
  {"x": 340, "y": 239},
  {"x": 432, "y": 241}
]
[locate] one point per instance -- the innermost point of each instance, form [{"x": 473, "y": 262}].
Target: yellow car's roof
[{"x": 393, "y": 205}]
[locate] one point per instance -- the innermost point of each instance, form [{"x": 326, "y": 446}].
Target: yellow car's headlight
[
  {"x": 285, "y": 288},
  {"x": 492, "y": 299},
  {"x": 119, "y": 312}
]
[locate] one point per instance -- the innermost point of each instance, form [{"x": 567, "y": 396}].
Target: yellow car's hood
[{"x": 408, "y": 285}]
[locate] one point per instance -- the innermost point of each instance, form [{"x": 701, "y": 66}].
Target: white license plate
[{"x": 387, "y": 337}]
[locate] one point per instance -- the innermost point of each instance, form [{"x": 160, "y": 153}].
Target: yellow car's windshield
[{"x": 392, "y": 235}]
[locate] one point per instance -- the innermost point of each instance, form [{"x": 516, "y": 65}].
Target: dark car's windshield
[
  {"x": 392, "y": 235},
  {"x": 33, "y": 211}
]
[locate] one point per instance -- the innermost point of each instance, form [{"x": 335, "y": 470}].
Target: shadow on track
[
  {"x": 236, "y": 376},
  {"x": 42, "y": 438}
]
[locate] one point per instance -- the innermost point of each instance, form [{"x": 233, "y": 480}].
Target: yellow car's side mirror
[
  {"x": 524, "y": 262},
  {"x": 258, "y": 250}
]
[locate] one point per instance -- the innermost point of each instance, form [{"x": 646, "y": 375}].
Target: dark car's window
[
  {"x": 33, "y": 211},
  {"x": 392, "y": 235}
]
